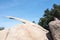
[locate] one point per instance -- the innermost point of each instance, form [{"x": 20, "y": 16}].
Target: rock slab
[
  {"x": 26, "y": 31},
  {"x": 23, "y": 32}
]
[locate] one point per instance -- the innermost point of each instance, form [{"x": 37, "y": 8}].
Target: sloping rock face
[
  {"x": 26, "y": 31},
  {"x": 3, "y": 34},
  {"x": 55, "y": 29},
  {"x": 23, "y": 32}
]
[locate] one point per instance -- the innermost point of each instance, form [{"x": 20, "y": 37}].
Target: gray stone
[{"x": 55, "y": 29}]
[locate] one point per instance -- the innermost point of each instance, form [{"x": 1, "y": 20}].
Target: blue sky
[{"x": 30, "y": 10}]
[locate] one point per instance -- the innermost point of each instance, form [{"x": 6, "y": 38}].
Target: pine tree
[{"x": 49, "y": 16}]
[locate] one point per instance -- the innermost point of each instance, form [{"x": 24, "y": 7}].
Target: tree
[
  {"x": 1, "y": 28},
  {"x": 33, "y": 21},
  {"x": 49, "y": 16}
]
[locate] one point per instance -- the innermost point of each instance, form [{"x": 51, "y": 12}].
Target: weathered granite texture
[
  {"x": 55, "y": 29},
  {"x": 26, "y": 31}
]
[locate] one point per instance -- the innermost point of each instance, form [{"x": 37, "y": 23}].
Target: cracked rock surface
[{"x": 55, "y": 29}]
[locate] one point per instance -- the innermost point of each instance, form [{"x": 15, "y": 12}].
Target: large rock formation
[
  {"x": 55, "y": 29},
  {"x": 27, "y": 31}
]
